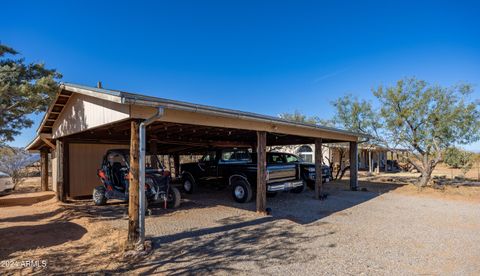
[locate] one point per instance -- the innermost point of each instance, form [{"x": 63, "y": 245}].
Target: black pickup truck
[
  {"x": 238, "y": 168},
  {"x": 307, "y": 170}
]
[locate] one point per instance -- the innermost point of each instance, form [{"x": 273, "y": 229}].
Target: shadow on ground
[
  {"x": 25, "y": 201},
  {"x": 238, "y": 240},
  {"x": 264, "y": 241},
  {"x": 21, "y": 238},
  {"x": 301, "y": 208}
]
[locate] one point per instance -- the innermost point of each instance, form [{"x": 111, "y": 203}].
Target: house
[{"x": 372, "y": 158}]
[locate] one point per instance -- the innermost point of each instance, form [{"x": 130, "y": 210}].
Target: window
[
  {"x": 115, "y": 158},
  {"x": 209, "y": 157},
  {"x": 306, "y": 153},
  {"x": 275, "y": 158},
  {"x": 291, "y": 158},
  {"x": 236, "y": 155}
]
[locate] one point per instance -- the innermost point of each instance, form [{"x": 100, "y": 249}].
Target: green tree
[
  {"x": 427, "y": 119},
  {"x": 459, "y": 159},
  {"x": 358, "y": 116},
  {"x": 298, "y": 117},
  {"x": 25, "y": 88}
]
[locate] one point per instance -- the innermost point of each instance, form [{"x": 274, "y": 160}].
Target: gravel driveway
[{"x": 349, "y": 233}]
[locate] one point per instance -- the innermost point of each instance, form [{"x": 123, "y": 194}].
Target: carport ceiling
[{"x": 186, "y": 138}]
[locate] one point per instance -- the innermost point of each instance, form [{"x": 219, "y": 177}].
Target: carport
[{"x": 83, "y": 122}]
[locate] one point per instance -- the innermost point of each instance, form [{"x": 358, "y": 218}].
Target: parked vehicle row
[
  {"x": 231, "y": 167},
  {"x": 237, "y": 168}
]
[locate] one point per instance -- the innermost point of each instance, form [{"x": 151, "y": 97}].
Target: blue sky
[{"x": 261, "y": 56}]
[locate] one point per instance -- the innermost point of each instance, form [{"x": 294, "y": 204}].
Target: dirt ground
[
  {"x": 473, "y": 174},
  {"x": 391, "y": 228}
]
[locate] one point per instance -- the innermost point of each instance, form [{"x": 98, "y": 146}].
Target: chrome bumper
[{"x": 284, "y": 186}]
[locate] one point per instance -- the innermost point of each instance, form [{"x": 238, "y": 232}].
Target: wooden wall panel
[
  {"x": 85, "y": 160},
  {"x": 83, "y": 112}
]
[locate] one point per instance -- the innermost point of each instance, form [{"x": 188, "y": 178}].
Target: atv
[{"x": 114, "y": 176}]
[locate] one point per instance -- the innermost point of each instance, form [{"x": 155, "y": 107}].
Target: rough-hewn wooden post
[
  {"x": 261, "y": 172},
  {"x": 386, "y": 161},
  {"x": 370, "y": 162},
  {"x": 44, "y": 169},
  {"x": 176, "y": 164},
  {"x": 60, "y": 159},
  {"x": 353, "y": 166},
  {"x": 378, "y": 162},
  {"x": 318, "y": 168},
  {"x": 133, "y": 178}
]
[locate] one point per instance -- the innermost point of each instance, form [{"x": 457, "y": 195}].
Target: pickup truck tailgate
[{"x": 277, "y": 173}]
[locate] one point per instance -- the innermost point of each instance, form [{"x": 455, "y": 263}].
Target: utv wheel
[
  {"x": 99, "y": 196},
  {"x": 173, "y": 198},
  {"x": 299, "y": 189},
  {"x": 241, "y": 191},
  {"x": 189, "y": 185}
]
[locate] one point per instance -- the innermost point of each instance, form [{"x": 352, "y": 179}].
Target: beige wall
[
  {"x": 85, "y": 160},
  {"x": 83, "y": 112}
]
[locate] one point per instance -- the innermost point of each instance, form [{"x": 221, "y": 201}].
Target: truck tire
[
  {"x": 300, "y": 189},
  {"x": 98, "y": 196},
  {"x": 241, "y": 190},
  {"x": 173, "y": 197},
  {"x": 188, "y": 183}
]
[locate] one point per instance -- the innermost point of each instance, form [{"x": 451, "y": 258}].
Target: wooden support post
[
  {"x": 261, "y": 172},
  {"x": 353, "y": 166},
  {"x": 44, "y": 169},
  {"x": 133, "y": 189},
  {"x": 386, "y": 159},
  {"x": 318, "y": 168},
  {"x": 378, "y": 162},
  {"x": 59, "y": 148},
  {"x": 370, "y": 162},
  {"x": 176, "y": 164}
]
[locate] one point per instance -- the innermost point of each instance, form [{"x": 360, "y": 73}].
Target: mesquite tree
[
  {"x": 25, "y": 88},
  {"x": 427, "y": 119}
]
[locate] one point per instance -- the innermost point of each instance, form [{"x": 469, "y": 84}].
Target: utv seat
[{"x": 118, "y": 175}]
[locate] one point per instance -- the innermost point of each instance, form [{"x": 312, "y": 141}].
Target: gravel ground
[{"x": 349, "y": 233}]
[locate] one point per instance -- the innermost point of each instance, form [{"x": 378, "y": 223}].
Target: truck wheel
[
  {"x": 300, "y": 189},
  {"x": 241, "y": 191},
  {"x": 99, "y": 196},
  {"x": 189, "y": 185},
  {"x": 173, "y": 198}
]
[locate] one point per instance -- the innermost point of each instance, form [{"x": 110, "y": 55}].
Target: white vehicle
[{"x": 6, "y": 182}]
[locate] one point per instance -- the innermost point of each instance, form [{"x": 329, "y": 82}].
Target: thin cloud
[{"x": 329, "y": 75}]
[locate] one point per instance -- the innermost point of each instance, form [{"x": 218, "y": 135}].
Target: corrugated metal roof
[
  {"x": 134, "y": 98},
  {"x": 139, "y": 99}
]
